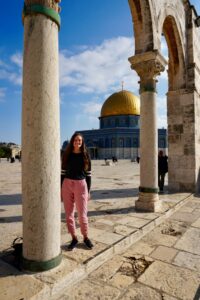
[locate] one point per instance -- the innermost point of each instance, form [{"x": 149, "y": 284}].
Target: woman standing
[{"x": 76, "y": 169}]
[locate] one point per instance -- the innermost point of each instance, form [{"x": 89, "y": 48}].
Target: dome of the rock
[{"x": 121, "y": 103}]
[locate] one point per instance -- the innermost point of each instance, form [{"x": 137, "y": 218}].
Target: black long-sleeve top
[
  {"x": 163, "y": 164},
  {"x": 75, "y": 169}
]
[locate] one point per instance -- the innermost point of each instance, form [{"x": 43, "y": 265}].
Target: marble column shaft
[
  {"x": 41, "y": 141},
  {"x": 148, "y": 66}
]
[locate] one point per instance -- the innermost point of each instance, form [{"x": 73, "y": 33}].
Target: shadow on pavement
[
  {"x": 115, "y": 211},
  {"x": 15, "y": 199},
  {"x": 10, "y": 219},
  {"x": 197, "y": 295},
  {"x": 114, "y": 193}
]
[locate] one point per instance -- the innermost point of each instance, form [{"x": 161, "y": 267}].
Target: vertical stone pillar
[
  {"x": 148, "y": 65},
  {"x": 41, "y": 137}
]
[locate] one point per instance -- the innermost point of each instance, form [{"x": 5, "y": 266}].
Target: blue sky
[{"x": 95, "y": 40}]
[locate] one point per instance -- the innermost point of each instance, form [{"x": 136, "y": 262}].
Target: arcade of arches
[{"x": 177, "y": 20}]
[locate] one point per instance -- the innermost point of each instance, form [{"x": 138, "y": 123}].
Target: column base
[
  {"x": 40, "y": 266},
  {"x": 148, "y": 202}
]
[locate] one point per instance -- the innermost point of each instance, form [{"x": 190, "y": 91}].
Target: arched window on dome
[
  {"x": 102, "y": 123},
  {"x": 127, "y": 121},
  {"x": 101, "y": 143},
  {"x": 107, "y": 143},
  {"x": 137, "y": 121},
  {"x": 112, "y": 122},
  {"x": 121, "y": 143},
  {"x": 161, "y": 143},
  {"x": 122, "y": 121},
  {"x": 113, "y": 143},
  {"x": 117, "y": 122},
  {"x": 135, "y": 143},
  {"x": 89, "y": 143},
  {"x": 128, "y": 142}
]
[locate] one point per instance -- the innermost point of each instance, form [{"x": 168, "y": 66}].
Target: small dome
[{"x": 121, "y": 103}]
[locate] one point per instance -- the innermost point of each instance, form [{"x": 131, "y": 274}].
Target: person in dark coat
[{"x": 162, "y": 169}]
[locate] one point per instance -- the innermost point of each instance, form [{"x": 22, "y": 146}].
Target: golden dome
[{"x": 121, "y": 103}]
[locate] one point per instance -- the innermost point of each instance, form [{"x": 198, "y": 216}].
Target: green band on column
[
  {"x": 148, "y": 190},
  {"x": 41, "y": 9},
  {"x": 39, "y": 266},
  {"x": 148, "y": 89}
]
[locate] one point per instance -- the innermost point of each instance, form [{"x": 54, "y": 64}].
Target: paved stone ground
[{"x": 136, "y": 255}]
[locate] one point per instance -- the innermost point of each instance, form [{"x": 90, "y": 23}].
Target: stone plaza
[{"x": 136, "y": 255}]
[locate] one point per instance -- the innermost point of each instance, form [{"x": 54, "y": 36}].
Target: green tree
[
  {"x": 2, "y": 153},
  {"x": 5, "y": 152}
]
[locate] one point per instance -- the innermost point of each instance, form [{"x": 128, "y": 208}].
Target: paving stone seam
[
  {"x": 68, "y": 281},
  {"x": 44, "y": 293},
  {"x": 161, "y": 293},
  {"x": 181, "y": 250},
  {"x": 173, "y": 263},
  {"x": 95, "y": 262}
]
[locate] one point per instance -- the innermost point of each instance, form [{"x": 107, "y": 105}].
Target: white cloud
[
  {"x": 17, "y": 59},
  {"x": 3, "y": 64},
  {"x": 161, "y": 102},
  {"x": 12, "y": 70},
  {"x": 15, "y": 78},
  {"x": 3, "y": 74},
  {"x": 91, "y": 108},
  {"x": 162, "y": 121},
  {"x": 99, "y": 69}
]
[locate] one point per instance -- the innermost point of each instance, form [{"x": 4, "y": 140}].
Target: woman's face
[{"x": 78, "y": 141}]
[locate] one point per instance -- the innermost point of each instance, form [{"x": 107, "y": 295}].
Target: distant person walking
[
  {"x": 162, "y": 169},
  {"x": 76, "y": 169},
  {"x": 114, "y": 159}
]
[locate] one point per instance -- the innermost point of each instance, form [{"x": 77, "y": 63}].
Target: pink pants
[{"x": 75, "y": 192}]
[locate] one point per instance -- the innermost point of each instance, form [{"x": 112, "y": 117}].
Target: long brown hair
[{"x": 70, "y": 149}]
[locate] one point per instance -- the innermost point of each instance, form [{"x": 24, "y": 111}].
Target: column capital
[{"x": 148, "y": 65}]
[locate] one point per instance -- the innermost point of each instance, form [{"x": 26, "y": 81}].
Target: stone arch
[
  {"x": 143, "y": 25},
  {"x": 176, "y": 64},
  {"x": 169, "y": 25}
]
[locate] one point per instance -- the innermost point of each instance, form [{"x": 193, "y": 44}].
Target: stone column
[
  {"x": 148, "y": 65},
  {"x": 41, "y": 137}
]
